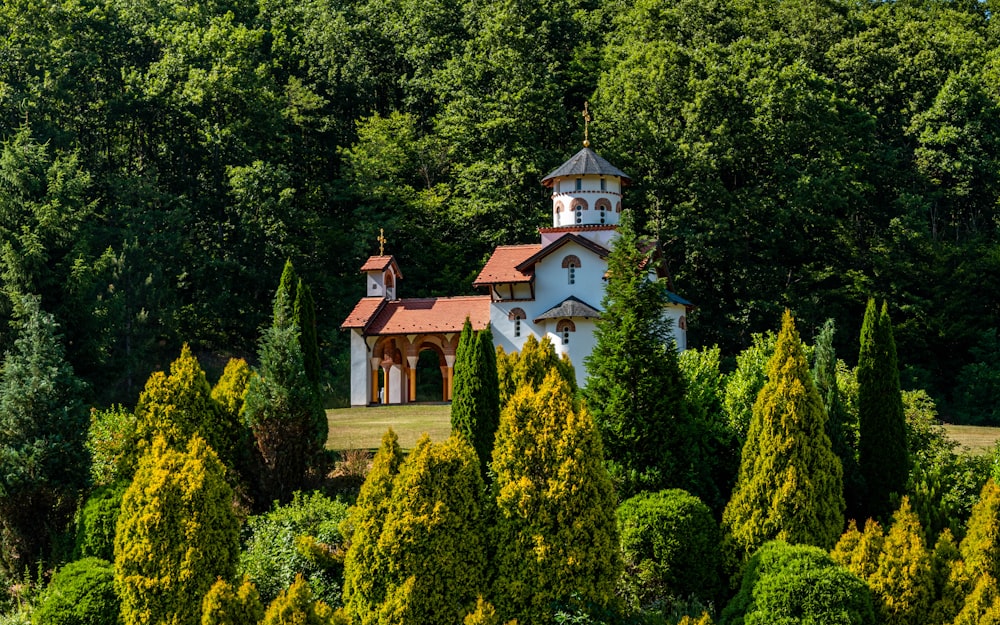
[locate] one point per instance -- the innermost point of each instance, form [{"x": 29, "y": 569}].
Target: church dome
[
  {"x": 583, "y": 163},
  {"x": 586, "y": 192}
]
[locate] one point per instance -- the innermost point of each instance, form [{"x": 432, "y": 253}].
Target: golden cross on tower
[
  {"x": 381, "y": 242},
  {"x": 586, "y": 124}
]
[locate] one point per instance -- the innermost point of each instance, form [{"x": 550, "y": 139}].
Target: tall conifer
[
  {"x": 556, "y": 534},
  {"x": 305, "y": 316},
  {"x": 882, "y": 452},
  {"x": 367, "y": 565},
  {"x": 43, "y": 425},
  {"x": 475, "y": 403},
  {"x": 790, "y": 481},
  {"x": 635, "y": 389},
  {"x": 840, "y": 425}
]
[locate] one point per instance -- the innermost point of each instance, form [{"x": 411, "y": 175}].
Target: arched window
[
  {"x": 579, "y": 205},
  {"x": 579, "y": 214},
  {"x": 604, "y": 206},
  {"x": 563, "y": 329},
  {"x": 682, "y": 323},
  {"x": 516, "y": 315},
  {"x": 570, "y": 264}
]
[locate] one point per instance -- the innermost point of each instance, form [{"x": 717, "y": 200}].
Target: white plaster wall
[
  {"x": 672, "y": 316},
  {"x": 564, "y": 191},
  {"x": 375, "y": 287},
  {"x": 396, "y": 384},
  {"x": 360, "y": 370},
  {"x": 551, "y": 279}
]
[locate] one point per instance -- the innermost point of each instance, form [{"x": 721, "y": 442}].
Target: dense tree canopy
[{"x": 218, "y": 141}]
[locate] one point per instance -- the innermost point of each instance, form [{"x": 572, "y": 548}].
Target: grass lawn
[
  {"x": 973, "y": 437},
  {"x": 362, "y": 428}
]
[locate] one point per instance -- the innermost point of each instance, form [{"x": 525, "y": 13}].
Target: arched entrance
[{"x": 430, "y": 370}]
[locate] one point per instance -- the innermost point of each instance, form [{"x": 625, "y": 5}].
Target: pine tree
[
  {"x": 882, "y": 452},
  {"x": 177, "y": 533},
  {"x": 226, "y": 605},
  {"x": 555, "y": 535},
  {"x": 475, "y": 404},
  {"x": 635, "y": 390},
  {"x": 434, "y": 535},
  {"x": 366, "y": 565},
  {"x": 43, "y": 426},
  {"x": 789, "y": 484},
  {"x": 180, "y": 405}
]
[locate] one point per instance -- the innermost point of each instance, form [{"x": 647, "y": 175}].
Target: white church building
[{"x": 553, "y": 288}]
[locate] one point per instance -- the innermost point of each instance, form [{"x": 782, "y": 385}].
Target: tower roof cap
[{"x": 585, "y": 162}]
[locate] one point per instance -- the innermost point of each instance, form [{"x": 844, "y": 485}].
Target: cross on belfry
[
  {"x": 381, "y": 242},
  {"x": 586, "y": 125}
]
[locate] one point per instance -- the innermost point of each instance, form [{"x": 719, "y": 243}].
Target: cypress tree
[
  {"x": 790, "y": 481},
  {"x": 282, "y": 405},
  {"x": 366, "y": 565},
  {"x": 896, "y": 566},
  {"x": 305, "y": 316},
  {"x": 635, "y": 389},
  {"x": 555, "y": 536},
  {"x": 530, "y": 366},
  {"x": 475, "y": 404},
  {"x": 882, "y": 452},
  {"x": 285, "y": 296},
  {"x": 226, "y": 605},
  {"x": 179, "y": 405},
  {"x": 466, "y": 386},
  {"x": 177, "y": 533},
  {"x": 434, "y": 535}
]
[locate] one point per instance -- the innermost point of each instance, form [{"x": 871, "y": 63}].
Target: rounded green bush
[
  {"x": 95, "y": 528},
  {"x": 797, "y": 584},
  {"x": 81, "y": 593},
  {"x": 670, "y": 547}
]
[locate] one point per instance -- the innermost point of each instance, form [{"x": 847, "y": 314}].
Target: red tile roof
[
  {"x": 502, "y": 265},
  {"x": 432, "y": 314},
  {"x": 569, "y": 237},
  {"x": 363, "y": 312},
  {"x": 379, "y": 263}
]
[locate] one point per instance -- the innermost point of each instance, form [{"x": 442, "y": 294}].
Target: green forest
[
  {"x": 187, "y": 191},
  {"x": 161, "y": 160}
]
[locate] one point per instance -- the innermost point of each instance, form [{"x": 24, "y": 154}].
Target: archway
[{"x": 430, "y": 378}]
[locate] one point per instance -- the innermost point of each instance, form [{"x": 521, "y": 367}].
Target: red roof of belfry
[
  {"x": 379, "y": 263},
  {"x": 502, "y": 265},
  {"x": 431, "y": 314},
  {"x": 363, "y": 312}
]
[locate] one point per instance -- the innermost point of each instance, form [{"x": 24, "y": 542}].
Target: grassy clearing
[
  {"x": 362, "y": 428},
  {"x": 974, "y": 438}
]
